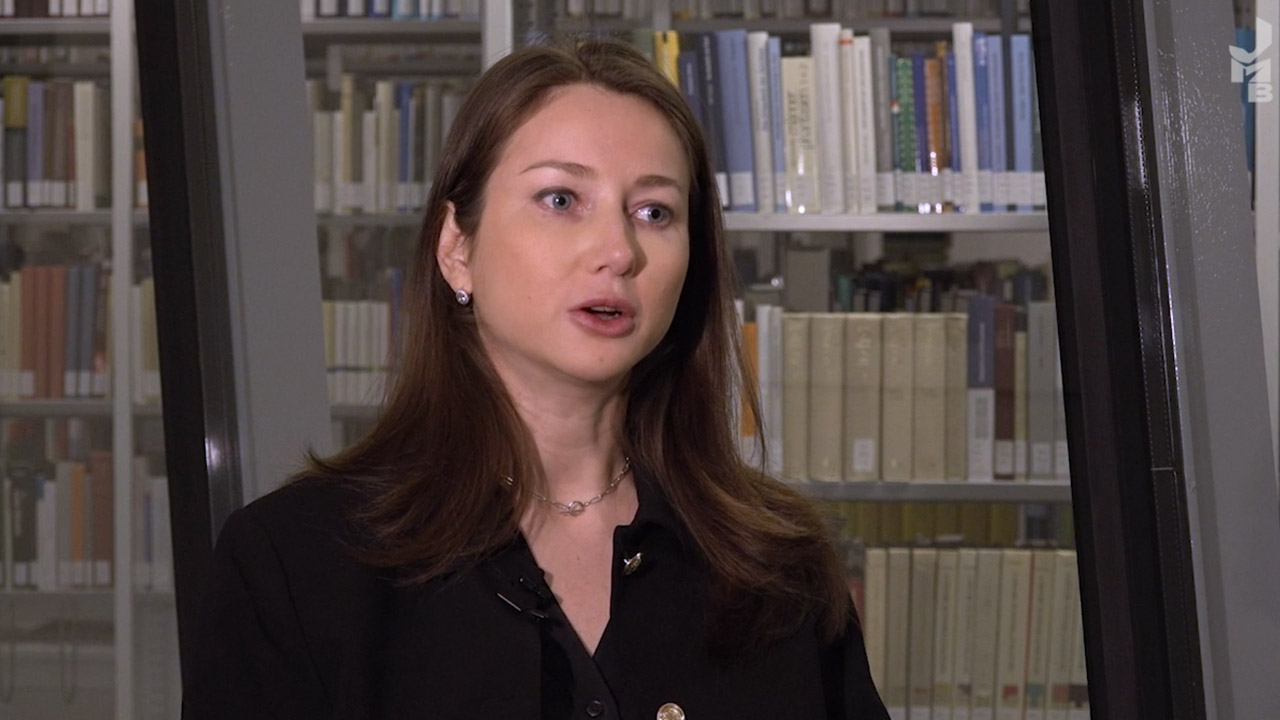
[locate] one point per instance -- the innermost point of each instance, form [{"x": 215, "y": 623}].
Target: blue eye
[
  {"x": 655, "y": 214},
  {"x": 557, "y": 199}
]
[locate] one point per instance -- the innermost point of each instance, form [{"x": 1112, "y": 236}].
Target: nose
[{"x": 616, "y": 248}]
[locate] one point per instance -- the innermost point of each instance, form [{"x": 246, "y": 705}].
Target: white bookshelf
[
  {"x": 391, "y": 31},
  {"x": 887, "y": 222},
  {"x": 91, "y": 29},
  {"x": 28, "y": 218},
  {"x": 71, "y": 407},
  {"x": 948, "y": 492}
]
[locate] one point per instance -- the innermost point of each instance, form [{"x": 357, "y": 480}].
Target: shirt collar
[{"x": 654, "y": 510}]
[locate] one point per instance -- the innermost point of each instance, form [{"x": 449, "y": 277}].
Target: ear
[{"x": 453, "y": 252}]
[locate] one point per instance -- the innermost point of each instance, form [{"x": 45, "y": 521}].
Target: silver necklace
[{"x": 577, "y": 507}]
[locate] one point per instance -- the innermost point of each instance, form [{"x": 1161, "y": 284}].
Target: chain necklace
[{"x": 577, "y": 507}]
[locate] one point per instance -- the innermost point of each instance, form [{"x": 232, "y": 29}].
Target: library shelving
[
  {"x": 937, "y": 492},
  {"x": 59, "y": 30}
]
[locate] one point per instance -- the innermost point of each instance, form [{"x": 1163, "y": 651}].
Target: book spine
[
  {"x": 705, "y": 44},
  {"x": 905, "y": 139},
  {"x": 866, "y": 141},
  {"x": 102, "y": 525},
  {"x": 957, "y": 468},
  {"x": 1011, "y": 659},
  {"x": 826, "y": 404},
  {"x": 897, "y": 405},
  {"x": 762, "y": 128},
  {"x": 929, "y": 417},
  {"x": 966, "y": 614},
  {"x": 382, "y": 146},
  {"x": 795, "y": 395},
  {"x": 881, "y": 82},
  {"x": 920, "y": 101},
  {"x": 944, "y": 636},
  {"x": 875, "y": 604},
  {"x": 16, "y": 94},
  {"x": 735, "y": 118},
  {"x": 898, "y": 634},
  {"x": 1039, "y": 635},
  {"x": 801, "y": 151},
  {"x": 1005, "y": 386},
  {"x": 35, "y": 145},
  {"x": 997, "y": 127},
  {"x": 982, "y": 100},
  {"x": 985, "y": 631},
  {"x": 70, "y": 377},
  {"x": 777, "y": 127},
  {"x": 864, "y": 350},
  {"x": 982, "y": 400},
  {"x": 824, "y": 43},
  {"x": 847, "y": 89},
  {"x": 1064, "y": 634},
  {"x": 924, "y": 572},
  {"x": 666, "y": 48},
  {"x": 1021, "y": 194},
  {"x": 1020, "y": 394}
]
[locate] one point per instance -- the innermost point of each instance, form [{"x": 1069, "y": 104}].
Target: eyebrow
[{"x": 580, "y": 170}]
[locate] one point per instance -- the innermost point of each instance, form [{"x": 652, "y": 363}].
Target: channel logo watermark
[{"x": 1252, "y": 69}]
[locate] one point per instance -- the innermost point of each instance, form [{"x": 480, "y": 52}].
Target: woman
[{"x": 550, "y": 519}]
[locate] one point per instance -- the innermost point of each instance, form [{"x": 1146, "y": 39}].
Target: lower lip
[{"x": 616, "y": 326}]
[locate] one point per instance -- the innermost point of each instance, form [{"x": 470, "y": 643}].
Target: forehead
[{"x": 599, "y": 128}]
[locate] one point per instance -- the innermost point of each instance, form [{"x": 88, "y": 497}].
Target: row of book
[
  {"x": 973, "y": 395},
  {"x": 642, "y": 10},
  {"x": 56, "y": 145},
  {"x": 849, "y": 123},
  {"x": 55, "y": 332},
  {"x": 357, "y": 343},
  {"x": 54, "y": 8},
  {"x": 974, "y": 632},
  {"x": 972, "y": 524},
  {"x": 397, "y": 9},
  {"x": 377, "y": 144},
  {"x": 58, "y": 526}
]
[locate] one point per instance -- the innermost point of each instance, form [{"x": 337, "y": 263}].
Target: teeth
[{"x": 603, "y": 309}]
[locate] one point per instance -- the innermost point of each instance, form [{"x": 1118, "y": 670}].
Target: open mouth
[{"x": 606, "y": 313}]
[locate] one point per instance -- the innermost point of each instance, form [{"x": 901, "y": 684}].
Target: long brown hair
[{"x": 430, "y": 468}]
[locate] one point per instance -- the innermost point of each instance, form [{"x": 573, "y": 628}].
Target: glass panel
[
  {"x": 884, "y": 192},
  {"x": 63, "y": 482}
]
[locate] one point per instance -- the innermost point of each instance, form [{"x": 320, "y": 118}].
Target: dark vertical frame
[
  {"x": 1137, "y": 586},
  {"x": 192, "y": 308}
]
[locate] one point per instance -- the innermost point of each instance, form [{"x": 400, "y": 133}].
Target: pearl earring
[{"x": 463, "y": 297}]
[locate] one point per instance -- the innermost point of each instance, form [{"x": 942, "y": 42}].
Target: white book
[
  {"x": 1064, "y": 630},
  {"x": 864, "y": 109},
  {"x": 322, "y": 130},
  {"x": 897, "y": 403},
  {"x": 826, "y": 397},
  {"x": 1020, "y": 402},
  {"x": 897, "y": 634},
  {"x": 340, "y": 345},
  {"x": 382, "y": 318},
  {"x": 966, "y": 614},
  {"x": 795, "y": 395},
  {"x": 924, "y": 573},
  {"x": 327, "y": 8},
  {"x": 802, "y": 153},
  {"x": 824, "y": 44},
  {"x": 761, "y": 118},
  {"x": 357, "y": 8},
  {"x": 944, "y": 633},
  {"x": 874, "y": 602},
  {"x": 307, "y": 9},
  {"x": 101, "y": 8},
  {"x": 351, "y": 393},
  {"x": 849, "y": 123},
  {"x": 1040, "y": 634},
  {"x": 764, "y": 375},
  {"x": 370, "y": 162},
  {"x": 863, "y": 385},
  {"x": 1062, "y": 459},
  {"x": 985, "y": 628},
  {"x": 929, "y": 399},
  {"x": 957, "y": 396},
  {"x": 62, "y": 523},
  {"x": 385, "y": 140},
  {"x": 381, "y": 7},
  {"x": 1015, "y": 609},
  {"x": 774, "y": 436},
  {"x": 966, "y": 181}
]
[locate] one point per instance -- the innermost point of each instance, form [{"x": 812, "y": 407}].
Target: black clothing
[{"x": 293, "y": 627}]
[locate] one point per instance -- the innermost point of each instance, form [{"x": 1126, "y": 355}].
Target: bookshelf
[
  {"x": 937, "y": 492},
  {"x": 82, "y": 625},
  {"x": 372, "y": 30},
  {"x": 886, "y": 222}
]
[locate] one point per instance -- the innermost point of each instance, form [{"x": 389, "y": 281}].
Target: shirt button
[
  {"x": 671, "y": 711},
  {"x": 595, "y": 709}
]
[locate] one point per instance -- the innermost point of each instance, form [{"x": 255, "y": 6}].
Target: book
[
  {"x": 982, "y": 392},
  {"x": 924, "y": 573},
  {"x": 897, "y": 404},
  {"x": 1039, "y": 634},
  {"x": 762, "y": 127},
  {"x": 801, "y": 153},
  {"x": 987, "y": 596},
  {"x": 863, "y": 374},
  {"x": 735, "y": 118},
  {"x": 1063, "y": 633},
  {"x": 896, "y": 686},
  {"x": 875, "y": 609},
  {"x": 957, "y": 401},
  {"x": 824, "y": 42},
  {"x": 795, "y": 395},
  {"x": 965, "y": 617},
  {"x": 1005, "y": 380},
  {"x": 944, "y": 635},
  {"x": 826, "y": 400},
  {"x": 929, "y": 415}
]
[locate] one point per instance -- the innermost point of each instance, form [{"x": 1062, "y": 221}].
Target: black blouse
[{"x": 293, "y": 627}]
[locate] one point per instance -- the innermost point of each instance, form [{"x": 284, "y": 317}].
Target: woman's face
[{"x": 583, "y": 243}]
